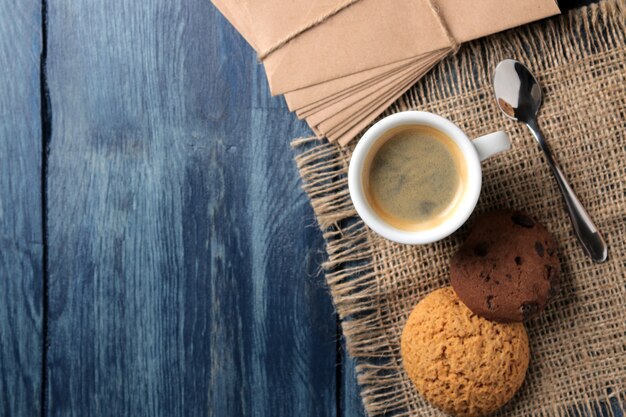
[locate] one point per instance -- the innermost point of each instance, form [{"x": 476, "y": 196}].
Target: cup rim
[{"x": 369, "y": 215}]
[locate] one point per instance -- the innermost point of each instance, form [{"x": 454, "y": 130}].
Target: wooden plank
[
  {"x": 21, "y": 256},
  {"x": 183, "y": 254},
  {"x": 350, "y": 398}
]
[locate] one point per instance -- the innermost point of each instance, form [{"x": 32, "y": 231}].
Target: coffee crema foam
[{"x": 415, "y": 177}]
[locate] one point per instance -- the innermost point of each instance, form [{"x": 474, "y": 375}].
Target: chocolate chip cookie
[{"x": 508, "y": 269}]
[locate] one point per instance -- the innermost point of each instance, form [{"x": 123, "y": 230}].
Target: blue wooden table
[{"x": 157, "y": 255}]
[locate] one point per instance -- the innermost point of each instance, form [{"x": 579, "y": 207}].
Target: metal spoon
[{"x": 519, "y": 97}]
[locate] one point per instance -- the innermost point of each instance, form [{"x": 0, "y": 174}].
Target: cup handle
[{"x": 491, "y": 144}]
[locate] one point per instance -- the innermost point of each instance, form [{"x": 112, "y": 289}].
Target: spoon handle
[{"x": 586, "y": 231}]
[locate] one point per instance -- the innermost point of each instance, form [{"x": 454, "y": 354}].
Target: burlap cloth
[{"x": 578, "y": 344}]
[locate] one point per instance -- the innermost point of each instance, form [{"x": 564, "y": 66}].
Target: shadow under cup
[{"x": 415, "y": 177}]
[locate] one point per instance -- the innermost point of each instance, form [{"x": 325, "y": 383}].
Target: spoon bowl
[{"x": 518, "y": 93}]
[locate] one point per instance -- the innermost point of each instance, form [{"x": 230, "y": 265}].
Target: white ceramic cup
[{"x": 474, "y": 151}]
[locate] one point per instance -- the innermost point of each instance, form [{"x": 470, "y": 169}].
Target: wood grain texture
[
  {"x": 21, "y": 242},
  {"x": 183, "y": 272},
  {"x": 351, "y": 404}
]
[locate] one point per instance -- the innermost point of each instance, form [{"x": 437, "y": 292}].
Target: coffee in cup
[{"x": 414, "y": 177}]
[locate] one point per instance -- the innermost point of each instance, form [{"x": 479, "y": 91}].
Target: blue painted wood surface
[
  {"x": 21, "y": 242},
  {"x": 183, "y": 274}
]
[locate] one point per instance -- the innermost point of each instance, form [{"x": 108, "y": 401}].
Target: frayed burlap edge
[{"x": 588, "y": 33}]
